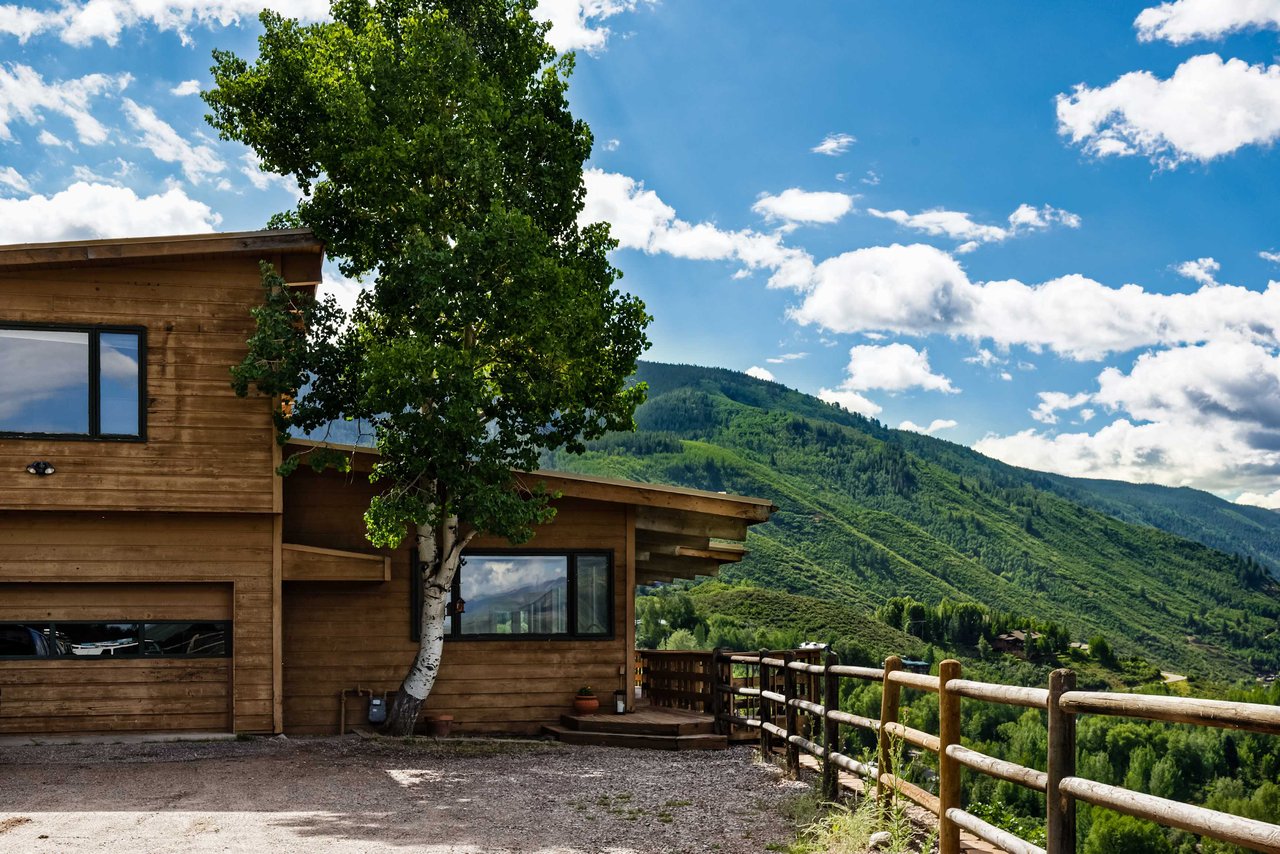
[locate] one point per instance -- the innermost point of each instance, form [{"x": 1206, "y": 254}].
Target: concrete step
[
  {"x": 634, "y": 725},
  {"x": 640, "y": 740}
]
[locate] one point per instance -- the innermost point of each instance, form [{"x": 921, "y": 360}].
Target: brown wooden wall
[
  {"x": 96, "y": 566},
  {"x": 206, "y": 449},
  {"x": 339, "y": 635}
]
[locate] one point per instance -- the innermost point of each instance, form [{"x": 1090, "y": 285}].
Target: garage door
[{"x": 80, "y": 658}]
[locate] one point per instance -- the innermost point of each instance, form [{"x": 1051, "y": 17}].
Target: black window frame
[
  {"x": 454, "y": 631},
  {"x": 51, "y": 629},
  {"x": 95, "y": 332}
]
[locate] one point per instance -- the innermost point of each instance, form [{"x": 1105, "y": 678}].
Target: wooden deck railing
[{"x": 784, "y": 686}]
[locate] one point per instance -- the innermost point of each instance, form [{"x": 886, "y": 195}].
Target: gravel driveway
[{"x": 348, "y": 794}]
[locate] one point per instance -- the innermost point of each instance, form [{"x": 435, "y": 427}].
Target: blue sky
[{"x": 1045, "y": 230}]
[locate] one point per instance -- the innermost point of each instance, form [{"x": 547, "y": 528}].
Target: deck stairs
[{"x": 649, "y": 727}]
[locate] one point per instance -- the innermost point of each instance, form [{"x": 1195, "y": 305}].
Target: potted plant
[{"x": 586, "y": 702}]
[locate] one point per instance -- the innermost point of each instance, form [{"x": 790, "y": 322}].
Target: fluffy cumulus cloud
[
  {"x": 1053, "y": 402},
  {"x": 1207, "y": 109},
  {"x": 920, "y": 290},
  {"x": 802, "y": 206},
  {"x": 85, "y": 211},
  {"x": 1273, "y": 257},
  {"x": 850, "y": 400},
  {"x": 1184, "y": 21},
  {"x": 892, "y": 367},
  {"x": 1269, "y": 500},
  {"x": 1202, "y": 270},
  {"x": 958, "y": 225},
  {"x": 1206, "y": 416},
  {"x": 82, "y": 22},
  {"x": 834, "y": 144},
  {"x": 761, "y": 373},
  {"x": 578, "y": 24},
  {"x": 641, "y": 220},
  {"x": 26, "y": 97},
  {"x": 186, "y": 87},
  {"x": 935, "y": 426}
]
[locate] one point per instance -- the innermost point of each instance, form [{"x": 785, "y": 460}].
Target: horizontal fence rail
[{"x": 788, "y": 700}]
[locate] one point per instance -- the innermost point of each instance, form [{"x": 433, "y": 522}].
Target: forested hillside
[{"x": 867, "y": 514}]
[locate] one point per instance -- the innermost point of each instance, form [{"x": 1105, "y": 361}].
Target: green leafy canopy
[{"x": 438, "y": 156}]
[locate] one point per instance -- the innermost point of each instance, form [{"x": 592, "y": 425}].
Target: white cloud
[
  {"x": 1273, "y": 257},
  {"x": 186, "y": 87},
  {"x": 46, "y": 138},
  {"x": 871, "y": 179},
  {"x": 251, "y": 168},
  {"x": 9, "y": 177},
  {"x": 1006, "y": 376},
  {"x": 851, "y": 401},
  {"x": 1207, "y": 109},
  {"x": 641, "y": 220},
  {"x": 761, "y": 373},
  {"x": 85, "y": 211},
  {"x": 1270, "y": 501},
  {"x": 960, "y": 226},
  {"x": 935, "y": 425},
  {"x": 785, "y": 357},
  {"x": 1052, "y": 402},
  {"x": 341, "y": 288},
  {"x": 920, "y": 290},
  {"x": 795, "y": 205},
  {"x": 612, "y": 144},
  {"x": 80, "y": 22},
  {"x": 892, "y": 367},
  {"x": 1202, "y": 270},
  {"x": 1183, "y": 21},
  {"x": 26, "y": 97},
  {"x": 1206, "y": 416},
  {"x": 197, "y": 161},
  {"x": 985, "y": 358},
  {"x": 834, "y": 144},
  {"x": 575, "y": 24}
]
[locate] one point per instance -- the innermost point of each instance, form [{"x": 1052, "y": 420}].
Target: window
[
  {"x": 529, "y": 595},
  {"x": 99, "y": 641},
  {"x": 72, "y": 382}
]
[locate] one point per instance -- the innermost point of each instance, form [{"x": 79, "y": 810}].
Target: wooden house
[{"x": 156, "y": 574}]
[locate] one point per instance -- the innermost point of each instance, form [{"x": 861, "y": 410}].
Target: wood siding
[
  {"x": 339, "y": 635},
  {"x": 205, "y": 449},
  {"x": 56, "y": 565}
]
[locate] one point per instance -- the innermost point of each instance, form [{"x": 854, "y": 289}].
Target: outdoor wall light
[{"x": 40, "y": 468}]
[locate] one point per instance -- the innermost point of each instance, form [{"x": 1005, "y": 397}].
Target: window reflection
[
  {"x": 592, "y": 575},
  {"x": 119, "y": 373},
  {"x": 99, "y": 640},
  {"x": 44, "y": 381},
  {"x": 19, "y": 640},
  {"x": 515, "y": 594},
  {"x": 186, "y": 639},
  {"x": 95, "y": 641}
]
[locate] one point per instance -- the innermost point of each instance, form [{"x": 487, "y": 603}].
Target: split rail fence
[{"x": 790, "y": 699}]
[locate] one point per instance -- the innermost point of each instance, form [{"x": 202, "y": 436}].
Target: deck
[{"x": 648, "y": 726}]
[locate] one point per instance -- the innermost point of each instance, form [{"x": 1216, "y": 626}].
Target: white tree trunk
[{"x": 439, "y": 553}]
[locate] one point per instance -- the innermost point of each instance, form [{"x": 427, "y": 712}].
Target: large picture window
[
  {"x": 527, "y": 594},
  {"x": 72, "y": 382},
  {"x": 100, "y": 641}
]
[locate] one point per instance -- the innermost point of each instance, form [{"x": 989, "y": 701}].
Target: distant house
[
  {"x": 1014, "y": 642},
  {"x": 156, "y": 574}
]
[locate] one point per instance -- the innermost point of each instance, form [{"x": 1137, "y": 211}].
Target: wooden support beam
[{"x": 663, "y": 521}]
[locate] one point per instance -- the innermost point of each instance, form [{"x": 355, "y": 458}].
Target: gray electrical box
[{"x": 377, "y": 710}]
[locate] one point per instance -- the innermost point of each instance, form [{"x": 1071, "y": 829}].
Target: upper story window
[{"x": 75, "y": 382}]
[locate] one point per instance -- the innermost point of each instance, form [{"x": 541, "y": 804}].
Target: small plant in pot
[{"x": 586, "y": 702}]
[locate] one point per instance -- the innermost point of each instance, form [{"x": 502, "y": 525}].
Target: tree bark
[{"x": 439, "y": 554}]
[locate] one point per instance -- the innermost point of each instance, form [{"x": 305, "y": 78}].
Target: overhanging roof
[
  {"x": 680, "y": 532},
  {"x": 289, "y": 242}
]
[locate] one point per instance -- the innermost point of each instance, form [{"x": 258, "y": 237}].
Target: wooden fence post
[
  {"x": 792, "y": 716},
  {"x": 1060, "y": 808},
  {"x": 830, "y": 728},
  {"x": 948, "y": 769},
  {"x": 766, "y": 740},
  {"x": 716, "y": 705},
  {"x": 890, "y": 697}
]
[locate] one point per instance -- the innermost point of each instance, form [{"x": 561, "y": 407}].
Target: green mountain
[{"x": 867, "y": 513}]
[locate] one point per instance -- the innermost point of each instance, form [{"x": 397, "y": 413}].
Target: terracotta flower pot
[{"x": 586, "y": 705}]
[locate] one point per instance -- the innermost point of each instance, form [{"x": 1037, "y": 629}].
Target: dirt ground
[{"x": 353, "y": 795}]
